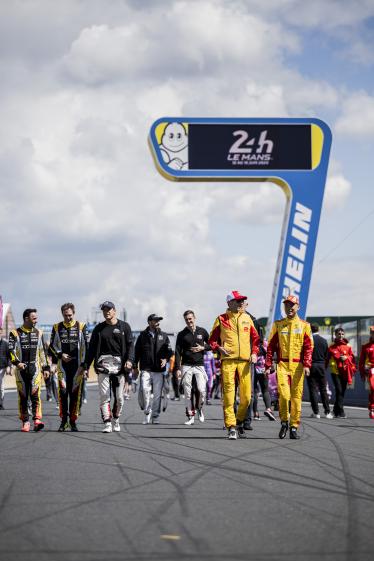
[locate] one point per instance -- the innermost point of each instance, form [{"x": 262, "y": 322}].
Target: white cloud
[
  {"x": 357, "y": 116},
  {"x": 93, "y": 219},
  {"x": 337, "y": 191}
]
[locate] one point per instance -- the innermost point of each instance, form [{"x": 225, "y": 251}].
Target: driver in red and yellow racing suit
[
  {"x": 291, "y": 339},
  {"x": 235, "y": 337}
]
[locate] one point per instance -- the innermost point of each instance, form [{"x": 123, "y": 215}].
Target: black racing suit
[
  {"x": 70, "y": 339},
  {"x": 27, "y": 346}
]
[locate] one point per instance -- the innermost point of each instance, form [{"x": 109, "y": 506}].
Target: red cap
[
  {"x": 235, "y": 295},
  {"x": 292, "y": 298}
]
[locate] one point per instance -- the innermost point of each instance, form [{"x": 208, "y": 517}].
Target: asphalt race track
[{"x": 170, "y": 492}]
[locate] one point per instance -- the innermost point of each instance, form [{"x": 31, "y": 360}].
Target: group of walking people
[{"x": 295, "y": 347}]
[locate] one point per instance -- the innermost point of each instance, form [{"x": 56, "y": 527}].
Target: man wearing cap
[
  {"x": 152, "y": 352},
  {"x": 366, "y": 367},
  {"x": 234, "y": 336},
  {"x": 112, "y": 350},
  {"x": 291, "y": 339}
]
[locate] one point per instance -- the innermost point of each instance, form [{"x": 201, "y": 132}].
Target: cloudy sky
[{"x": 84, "y": 214}]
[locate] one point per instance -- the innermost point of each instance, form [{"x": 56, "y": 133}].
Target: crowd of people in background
[{"x": 234, "y": 363}]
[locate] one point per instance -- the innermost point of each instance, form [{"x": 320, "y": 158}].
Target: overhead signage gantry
[{"x": 291, "y": 153}]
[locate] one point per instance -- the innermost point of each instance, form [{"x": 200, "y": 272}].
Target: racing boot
[
  {"x": 284, "y": 429},
  {"x": 63, "y": 426},
  {"x": 294, "y": 434},
  {"x": 25, "y": 426},
  {"x": 38, "y": 425},
  {"x": 73, "y": 426}
]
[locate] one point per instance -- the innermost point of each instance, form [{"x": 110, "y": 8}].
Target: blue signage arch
[{"x": 291, "y": 153}]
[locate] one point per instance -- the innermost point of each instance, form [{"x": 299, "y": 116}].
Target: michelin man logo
[{"x": 174, "y": 146}]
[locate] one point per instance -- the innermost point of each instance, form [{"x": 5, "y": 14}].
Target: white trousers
[
  {"x": 188, "y": 372},
  {"x": 111, "y": 384},
  {"x": 152, "y": 383}
]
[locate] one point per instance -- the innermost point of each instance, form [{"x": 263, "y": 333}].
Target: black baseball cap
[
  {"x": 108, "y": 305},
  {"x": 154, "y": 317}
]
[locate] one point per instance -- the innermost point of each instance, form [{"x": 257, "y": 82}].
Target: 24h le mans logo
[{"x": 244, "y": 152}]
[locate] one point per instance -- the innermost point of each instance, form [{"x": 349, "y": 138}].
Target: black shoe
[
  {"x": 283, "y": 431},
  {"x": 63, "y": 426},
  {"x": 241, "y": 431},
  {"x": 294, "y": 434},
  {"x": 73, "y": 426},
  {"x": 247, "y": 425}
]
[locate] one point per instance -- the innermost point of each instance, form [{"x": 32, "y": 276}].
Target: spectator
[
  {"x": 5, "y": 366},
  {"x": 366, "y": 367},
  {"x": 342, "y": 366},
  {"x": 317, "y": 378}
]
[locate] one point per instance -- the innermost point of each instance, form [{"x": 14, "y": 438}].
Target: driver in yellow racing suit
[{"x": 292, "y": 341}]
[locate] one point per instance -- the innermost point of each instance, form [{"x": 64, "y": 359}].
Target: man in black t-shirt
[
  {"x": 189, "y": 363},
  {"x": 112, "y": 350}
]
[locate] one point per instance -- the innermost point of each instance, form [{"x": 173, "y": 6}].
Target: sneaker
[
  {"x": 315, "y": 416},
  {"x": 155, "y": 421},
  {"x": 257, "y": 417},
  {"x": 49, "y": 399},
  {"x": 247, "y": 425},
  {"x": 232, "y": 434},
  {"x": 283, "y": 431},
  {"x": 177, "y": 399},
  {"x": 241, "y": 432},
  {"x": 25, "y": 426},
  {"x": 147, "y": 418},
  {"x": 294, "y": 434},
  {"x": 1, "y": 406},
  {"x": 208, "y": 402},
  {"x": 343, "y": 416},
  {"x": 200, "y": 415},
  {"x": 107, "y": 427},
  {"x": 73, "y": 426},
  {"x": 190, "y": 421},
  {"x": 329, "y": 415},
  {"x": 38, "y": 425},
  {"x": 269, "y": 414},
  {"x": 371, "y": 414},
  {"x": 63, "y": 426},
  {"x": 126, "y": 396},
  {"x": 116, "y": 426},
  {"x": 85, "y": 400}
]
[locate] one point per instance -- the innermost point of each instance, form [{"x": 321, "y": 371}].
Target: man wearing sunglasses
[{"x": 235, "y": 337}]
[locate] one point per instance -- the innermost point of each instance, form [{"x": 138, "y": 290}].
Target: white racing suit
[{"x": 110, "y": 381}]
